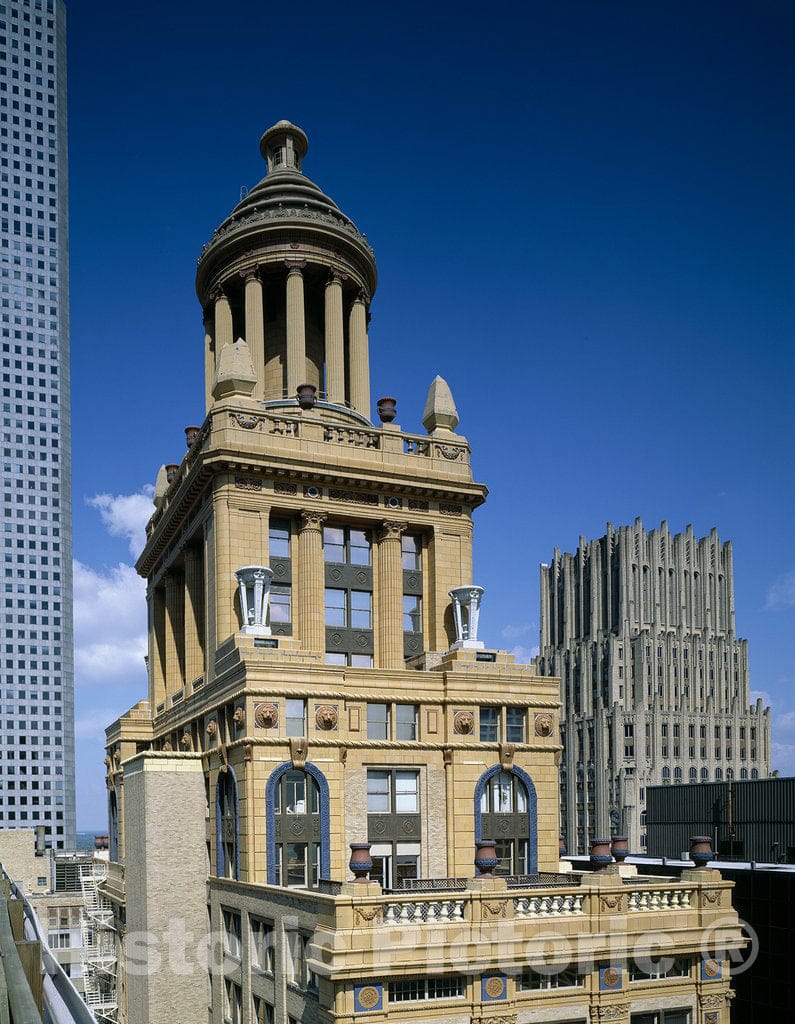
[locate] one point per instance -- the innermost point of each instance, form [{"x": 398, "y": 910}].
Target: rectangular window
[
  {"x": 378, "y": 791},
  {"x": 263, "y": 1011},
  {"x": 233, "y": 1003},
  {"x": 262, "y": 951},
  {"x": 279, "y": 538},
  {"x": 514, "y": 725},
  {"x": 412, "y": 613},
  {"x": 489, "y": 725},
  {"x": 534, "y": 981},
  {"x": 232, "y": 933},
  {"x": 378, "y": 722},
  {"x": 295, "y": 717},
  {"x": 359, "y": 547},
  {"x": 334, "y": 543},
  {"x": 280, "y": 605},
  {"x": 418, "y": 989},
  {"x": 361, "y": 609},
  {"x": 406, "y": 722},
  {"x": 410, "y": 552},
  {"x": 406, "y": 792},
  {"x": 336, "y": 608}
]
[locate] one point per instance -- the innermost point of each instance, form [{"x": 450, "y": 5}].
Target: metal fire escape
[{"x": 99, "y": 944}]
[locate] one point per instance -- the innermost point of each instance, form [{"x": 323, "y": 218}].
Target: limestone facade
[
  {"x": 355, "y": 711},
  {"x": 639, "y": 627}
]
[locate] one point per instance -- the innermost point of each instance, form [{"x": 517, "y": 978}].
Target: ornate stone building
[
  {"x": 639, "y": 626},
  {"x": 316, "y": 683}
]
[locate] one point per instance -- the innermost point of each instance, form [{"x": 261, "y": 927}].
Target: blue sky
[{"x": 583, "y": 217}]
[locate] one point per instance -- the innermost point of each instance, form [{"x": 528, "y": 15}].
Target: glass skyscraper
[{"x": 36, "y": 661}]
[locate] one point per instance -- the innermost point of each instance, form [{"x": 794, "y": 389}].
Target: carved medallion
[
  {"x": 611, "y": 977},
  {"x": 326, "y": 717},
  {"x": 495, "y": 988},
  {"x": 266, "y": 715},
  {"x": 463, "y": 722},
  {"x": 543, "y": 725},
  {"x": 495, "y": 909},
  {"x": 711, "y": 968},
  {"x": 368, "y": 997}
]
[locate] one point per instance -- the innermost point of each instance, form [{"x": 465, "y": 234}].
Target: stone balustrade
[
  {"x": 566, "y": 905},
  {"x": 426, "y": 911},
  {"x": 644, "y": 900}
]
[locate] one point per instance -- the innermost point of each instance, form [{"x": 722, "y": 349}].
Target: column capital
[
  {"x": 336, "y": 277},
  {"x": 218, "y": 293},
  {"x": 363, "y": 296},
  {"x": 294, "y": 266},
  {"x": 391, "y": 530},
  {"x": 312, "y": 521},
  {"x": 250, "y": 273}
]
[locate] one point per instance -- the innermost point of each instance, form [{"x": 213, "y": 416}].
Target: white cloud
[
  {"x": 110, "y": 623},
  {"x": 126, "y": 515},
  {"x": 782, "y": 593},
  {"x": 524, "y": 655},
  {"x": 514, "y": 632}
]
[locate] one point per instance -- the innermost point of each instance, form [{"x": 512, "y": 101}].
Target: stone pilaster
[
  {"x": 311, "y": 603},
  {"x": 223, "y": 325},
  {"x": 359, "y": 356},
  {"x": 255, "y": 327},
  {"x": 157, "y": 646},
  {"x": 175, "y": 664},
  {"x": 390, "y": 596},
  {"x": 335, "y": 341},
  {"x": 296, "y": 326},
  {"x": 209, "y": 356},
  {"x": 194, "y": 614}
]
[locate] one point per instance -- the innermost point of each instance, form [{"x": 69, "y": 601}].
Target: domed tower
[{"x": 292, "y": 276}]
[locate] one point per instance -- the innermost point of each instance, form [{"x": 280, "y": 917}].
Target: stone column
[
  {"x": 296, "y": 326},
  {"x": 311, "y": 586},
  {"x": 157, "y": 645},
  {"x": 255, "y": 327},
  {"x": 390, "y": 596},
  {"x": 175, "y": 664},
  {"x": 359, "y": 356},
  {"x": 335, "y": 341},
  {"x": 209, "y": 356},
  {"x": 193, "y": 631},
  {"x": 223, "y": 324}
]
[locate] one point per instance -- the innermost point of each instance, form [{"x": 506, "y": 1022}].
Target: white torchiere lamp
[
  {"x": 254, "y": 582},
  {"x": 466, "y": 612}
]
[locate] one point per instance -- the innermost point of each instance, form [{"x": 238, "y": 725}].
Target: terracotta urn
[
  {"x": 600, "y": 853},
  {"x": 701, "y": 850},
  {"x": 307, "y": 395},
  {"x": 191, "y": 433},
  {"x": 171, "y": 471},
  {"x": 387, "y": 409},
  {"x": 361, "y": 863},
  {"x": 486, "y": 859},
  {"x": 619, "y": 847}
]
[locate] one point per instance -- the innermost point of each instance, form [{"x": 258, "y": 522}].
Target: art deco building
[
  {"x": 36, "y": 670},
  {"x": 316, "y": 681},
  {"x": 639, "y": 626}
]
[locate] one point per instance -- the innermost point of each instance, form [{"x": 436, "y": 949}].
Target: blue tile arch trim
[
  {"x": 270, "y": 820},
  {"x": 226, "y": 778},
  {"x": 532, "y": 810}
]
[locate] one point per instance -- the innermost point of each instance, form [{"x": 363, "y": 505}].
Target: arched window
[
  {"x": 505, "y": 811},
  {"x": 743, "y": 773},
  {"x": 704, "y": 774},
  {"x": 692, "y": 775},
  {"x": 666, "y": 772},
  {"x": 227, "y": 830},
  {"x": 754, "y": 773},
  {"x": 113, "y": 823},
  {"x": 718, "y": 774},
  {"x": 297, "y": 826},
  {"x": 677, "y": 774},
  {"x": 729, "y": 773}
]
